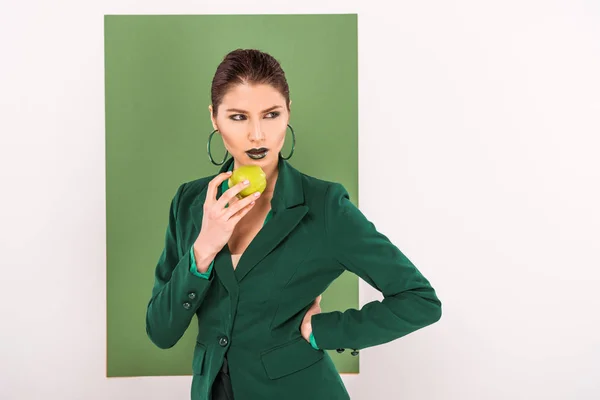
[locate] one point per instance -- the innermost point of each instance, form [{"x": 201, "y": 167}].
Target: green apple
[{"x": 256, "y": 176}]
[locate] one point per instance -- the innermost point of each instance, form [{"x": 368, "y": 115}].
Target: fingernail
[
  {"x": 256, "y": 194},
  {"x": 246, "y": 182}
]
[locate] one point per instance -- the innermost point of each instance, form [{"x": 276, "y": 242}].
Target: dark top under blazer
[{"x": 253, "y": 312}]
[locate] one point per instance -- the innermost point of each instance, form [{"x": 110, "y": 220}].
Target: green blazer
[{"x": 253, "y": 313}]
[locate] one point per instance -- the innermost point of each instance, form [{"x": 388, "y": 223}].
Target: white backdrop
[{"x": 481, "y": 120}]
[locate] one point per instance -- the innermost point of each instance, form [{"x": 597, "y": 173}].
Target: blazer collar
[{"x": 287, "y": 209}]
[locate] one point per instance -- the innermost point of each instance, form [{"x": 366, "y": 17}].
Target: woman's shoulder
[{"x": 323, "y": 191}]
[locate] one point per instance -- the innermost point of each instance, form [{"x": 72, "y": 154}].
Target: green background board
[{"x": 158, "y": 72}]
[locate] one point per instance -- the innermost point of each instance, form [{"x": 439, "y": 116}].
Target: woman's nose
[{"x": 256, "y": 132}]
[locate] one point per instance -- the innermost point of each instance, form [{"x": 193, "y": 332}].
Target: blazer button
[
  {"x": 191, "y": 295},
  {"x": 223, "y": 341},
  {"x": 340, "y": 350},
  {"x": 187, "y": 305},
  {"x": 354, "y": 352}
]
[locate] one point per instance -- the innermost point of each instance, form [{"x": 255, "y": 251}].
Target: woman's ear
[{"x": 212, "y": 118}]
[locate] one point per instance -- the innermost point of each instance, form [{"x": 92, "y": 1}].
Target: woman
[{"x": 252, "y": 270}]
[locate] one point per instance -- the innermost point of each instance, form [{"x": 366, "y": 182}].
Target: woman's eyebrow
[{"x": 245, "y": 112}]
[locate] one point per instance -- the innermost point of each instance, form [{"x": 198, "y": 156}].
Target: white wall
[{"x": 489, "y": 113}]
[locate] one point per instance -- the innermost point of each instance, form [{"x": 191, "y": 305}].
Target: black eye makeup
[
  {"x": 237, "y": 117},
  {"x": 273, "y": 114},
  {"x": 242, "y": 117}
]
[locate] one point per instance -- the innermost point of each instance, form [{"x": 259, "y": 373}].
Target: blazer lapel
[
  {"x": 267, "y": 239},
  {"x": 287, "y": 208}
]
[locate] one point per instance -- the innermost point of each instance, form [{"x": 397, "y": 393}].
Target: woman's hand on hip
[{"x": 306, "y": 327}]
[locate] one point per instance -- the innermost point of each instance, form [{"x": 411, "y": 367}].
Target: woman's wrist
[{"x": 203, "y": 258}]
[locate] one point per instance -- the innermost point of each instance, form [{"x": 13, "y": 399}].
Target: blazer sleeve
[
  {"x": 177, "y": 292},
  {"x": 409, "y": 302},
  {"x": 194, "y": 266}
]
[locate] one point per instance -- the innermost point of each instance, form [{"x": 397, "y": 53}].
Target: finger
[
  {"x": 211, "y": 193},
  {"x": 233, "y": 200},
  {"x": 239, "y": 205},
  {"x": 316, "y": 308},
  {"x": 240, "y": 214},
  {"x": 318, "y": 299},
  {"x": 311, "y": 312},
  {"x": 231, "y": 193}
]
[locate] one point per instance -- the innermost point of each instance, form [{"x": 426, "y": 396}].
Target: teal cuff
[
  {"x": 194, "y": 267},
  {"x": 313, "y": 343}
]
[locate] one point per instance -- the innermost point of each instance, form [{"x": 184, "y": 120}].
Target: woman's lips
[
  {"x": 257, "y": 154},
  {"x": 256, "y": 151}
]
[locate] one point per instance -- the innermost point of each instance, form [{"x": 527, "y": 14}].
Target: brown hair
[{"x": 247, "y": 66}]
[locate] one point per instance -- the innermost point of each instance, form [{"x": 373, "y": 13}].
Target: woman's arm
[
  {"x": 178, "y": 292},
  {"x": 409, "y": 303}
]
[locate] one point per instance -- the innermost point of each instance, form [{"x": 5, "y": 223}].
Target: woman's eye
[{"x": 242, "y": 117}]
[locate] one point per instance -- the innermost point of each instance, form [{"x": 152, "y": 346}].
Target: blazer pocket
[
  {"x": 198, "y": 361},
  {"x": 289, "y": 358}
]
